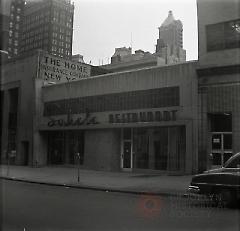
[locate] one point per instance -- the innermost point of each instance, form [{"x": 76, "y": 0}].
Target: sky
[{"x": 100, "y": 26}]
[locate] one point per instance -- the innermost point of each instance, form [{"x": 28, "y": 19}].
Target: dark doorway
[
  {"x": 56, "y": 147},
  {"x": 25, "y": 152}
]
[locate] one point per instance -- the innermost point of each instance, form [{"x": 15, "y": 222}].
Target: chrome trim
[
  {"x": 214, "y": 184},
  {"x": 193, "y": 189}
]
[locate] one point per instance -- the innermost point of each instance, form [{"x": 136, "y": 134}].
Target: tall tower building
[
  {"x": 15, "y": 26},
  {"x": 48, "y": 25},
  {"x": 170, "y": 42},
  {"x": 11, "y": 12},
  {"x": 40, "y": 24}
]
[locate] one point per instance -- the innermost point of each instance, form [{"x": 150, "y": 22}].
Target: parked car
[{"x": 222, "y": 184}]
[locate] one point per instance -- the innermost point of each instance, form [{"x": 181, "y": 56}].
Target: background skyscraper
[
  {"x": 15, "y": 26},
  {"x": 39, "y": 24},
  {"x": 48, "y": 25},
  {"x": 170, "y": 42}
]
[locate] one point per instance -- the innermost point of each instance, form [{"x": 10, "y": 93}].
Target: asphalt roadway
[{"x": 26, "y": 206}]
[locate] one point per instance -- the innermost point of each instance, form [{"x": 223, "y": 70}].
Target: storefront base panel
[
  {"x": 102, "y": 150},
  {"x": 166, "y": 150}
]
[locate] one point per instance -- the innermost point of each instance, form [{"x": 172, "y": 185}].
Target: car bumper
[{"x": 193, "y": 189}]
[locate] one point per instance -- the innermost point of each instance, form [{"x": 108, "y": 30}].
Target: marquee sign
[
  {"x": 105, "y": 119},
  {"x": 87, "y": 119},
  {"x": 59, "y": 70},
  {"x": 150, "y": 116}
]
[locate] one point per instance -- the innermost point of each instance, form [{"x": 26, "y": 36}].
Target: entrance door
[
  {"x": 126, "y": 156},
  {"x": 221, "y": 148},
  {"x": 221, "y": 143},
  {"x": 25, "y": 152},
  {"x": 56, "y": 147}
]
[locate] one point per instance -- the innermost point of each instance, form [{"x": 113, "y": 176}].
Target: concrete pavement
[{"x": 99, "y": 180}]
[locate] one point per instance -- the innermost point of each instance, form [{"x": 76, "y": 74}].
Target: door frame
[
  {"x": 221, "y": 151},
  {"x": 122, "y": 152}
]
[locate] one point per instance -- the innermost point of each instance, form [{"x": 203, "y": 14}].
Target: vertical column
[
  {"x": 151, "y": 163},
  {"x": 5, "y": 118},
  {"x": 67, "y": 139}
]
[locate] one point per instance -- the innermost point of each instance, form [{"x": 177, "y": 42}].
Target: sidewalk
[{"x": 100, "y": 180}]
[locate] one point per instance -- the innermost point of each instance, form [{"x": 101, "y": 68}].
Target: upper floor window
[{"x": 224, "y": 35}]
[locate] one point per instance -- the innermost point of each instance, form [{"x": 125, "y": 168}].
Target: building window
[
  {"x": 221, "y": 137},
  {"x": 54, "y": 48},
  {"x": 224, "y": 35},
  {"x": 68, "y": 39},
  {"x": 153, "y": 98}
]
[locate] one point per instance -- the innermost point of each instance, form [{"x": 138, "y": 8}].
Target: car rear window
[{"x": 234, "y": 163}]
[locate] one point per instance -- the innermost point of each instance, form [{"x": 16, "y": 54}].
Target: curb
[{"x": 102, "y": 189}]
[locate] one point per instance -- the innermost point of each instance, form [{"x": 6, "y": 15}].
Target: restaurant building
[
  {"x": 174, "y": 119},
  {"x": 140, "y": 120}
]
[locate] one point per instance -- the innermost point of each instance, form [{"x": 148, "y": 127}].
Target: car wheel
[{"x": 226, "y": 198}]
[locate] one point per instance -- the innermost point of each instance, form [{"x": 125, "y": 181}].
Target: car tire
[{"x": 226, "y": 198}]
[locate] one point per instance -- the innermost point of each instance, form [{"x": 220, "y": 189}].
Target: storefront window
[
  {"x": 64, "y": 146},
  {"x": 75, "y": 145},
  {"x": 161, "y": 148},
  {"x": 141, "y": 148}
]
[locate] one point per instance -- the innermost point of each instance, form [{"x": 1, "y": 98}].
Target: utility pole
[{"x": 78, "y": 172}]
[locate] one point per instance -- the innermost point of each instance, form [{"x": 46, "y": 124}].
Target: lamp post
[
  {"x": 78, "y": 172},
  {"x": 8, "y": 162}
]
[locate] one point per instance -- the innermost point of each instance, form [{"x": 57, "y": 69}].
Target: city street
[{"x": 28, "y": 206}]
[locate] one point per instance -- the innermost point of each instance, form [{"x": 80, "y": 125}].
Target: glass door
[
  {"x": 221, "y": 139},
  {"x": 126, "y": 155},
  {"x": 221, "y": 148}
]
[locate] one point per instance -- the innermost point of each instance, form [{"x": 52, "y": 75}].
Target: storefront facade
[{"x": 142, "y": 120}]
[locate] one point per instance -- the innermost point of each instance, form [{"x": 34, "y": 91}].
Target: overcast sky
[{"x": 100, "y": 26}]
